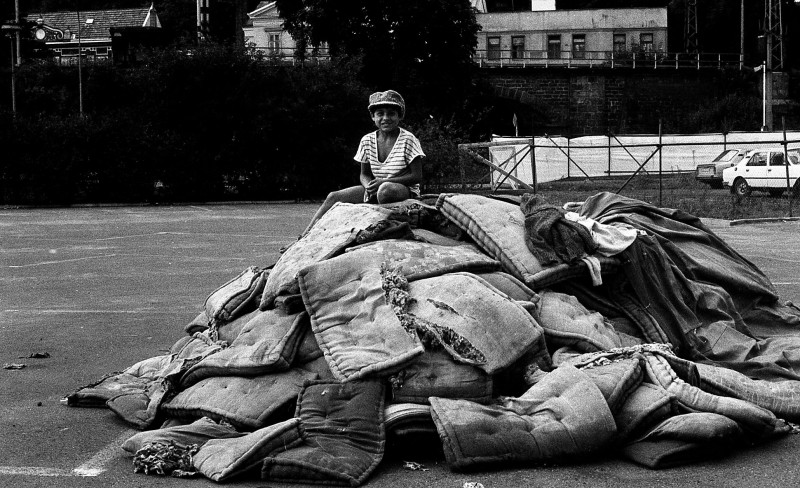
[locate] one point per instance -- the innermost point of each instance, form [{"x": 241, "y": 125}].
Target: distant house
[
  {"x": 65, "y": 33},
  {"x": 264, "y": 32},
  {"x": 569, "y": 37}
]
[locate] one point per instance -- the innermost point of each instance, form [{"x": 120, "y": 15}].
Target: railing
[
  {"x": 606, "y": 59},
  {"x": 290, "y": 55}
]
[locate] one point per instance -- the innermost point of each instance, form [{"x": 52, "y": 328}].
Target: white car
[
  {"x": 711, "y": 173},
  {"x": 764, "y": 170}
]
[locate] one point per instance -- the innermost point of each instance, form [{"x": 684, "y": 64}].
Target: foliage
[{"x": 400, "y": 42}]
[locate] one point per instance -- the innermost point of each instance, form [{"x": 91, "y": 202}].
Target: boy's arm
[{"x": 366, "y": 175}]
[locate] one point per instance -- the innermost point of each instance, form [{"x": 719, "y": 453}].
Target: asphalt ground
[{"x": 99, "y": 289}]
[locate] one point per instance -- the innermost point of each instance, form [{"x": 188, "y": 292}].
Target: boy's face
[{"x": 386, "y": 119}]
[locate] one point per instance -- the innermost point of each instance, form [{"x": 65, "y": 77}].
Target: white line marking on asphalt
[
  {"x": 34, "y": 471},
  {"x": 61, "y": 261},
  {"x": 93, "y": 467},
  {"x": 96, "y": 464},
  {"x": 56, "y": 310},
  {"x": 201, "y": 208}
]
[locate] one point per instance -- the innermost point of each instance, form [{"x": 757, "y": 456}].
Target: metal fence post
[
  {"x": 568, "y": 158},
  {"x": 609, "y": 153},
  {"x": 660, "y": 170},
  {"x": 533, "y": 161},
  {"x": 786, "y": 165}
]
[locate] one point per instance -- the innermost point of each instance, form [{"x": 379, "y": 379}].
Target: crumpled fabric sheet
[
  {"x": 564, "y": 416},
  {"x": 550, "y": 236},
  {"x": 684, "y": 439},
  {"x": 734, "y": 318},
  {"x": 137, "y": 393},
  {"x": 757, "y": 421}
]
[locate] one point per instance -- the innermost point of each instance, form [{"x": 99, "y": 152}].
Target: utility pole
[
  {"x": 19, "y": 34},
  {"x": 690, "y": 28},
  {"x": 80, "y": 74}
]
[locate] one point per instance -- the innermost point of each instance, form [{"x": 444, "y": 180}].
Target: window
[
  {"x": 69, "y": 51},
  {"x": 274, "y": 43},
  {"x": 579, "y": 46},
  {"x": 758, "y": 159},
  {"x": 517, "y": 47},
  {"x": 777, "y": 159},
  {"x": 620, "y": 43},
  {"x": 553, "y": 46},
  {"x": 646, "y": 42},
  {"x": 493, "y": 48},
  {"x": 101, "y": 51}
]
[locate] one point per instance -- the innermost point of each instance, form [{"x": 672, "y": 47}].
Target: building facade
[
  {"x": 68, "y": 33},
  {"x": 571, "y": 37},
  {"x": 264, "y": 32}
]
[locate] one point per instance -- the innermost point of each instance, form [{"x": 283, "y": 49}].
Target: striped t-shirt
[{"x": 405, "y": 149}]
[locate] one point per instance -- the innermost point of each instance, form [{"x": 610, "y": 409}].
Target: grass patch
[{"x": 679, "y": 191}]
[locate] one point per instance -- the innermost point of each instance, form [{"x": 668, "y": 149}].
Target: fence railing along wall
[{"x": 606, "y": 59}]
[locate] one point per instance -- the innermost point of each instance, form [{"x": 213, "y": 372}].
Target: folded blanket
[
  {"x": 328, "y": 237},
  {"x": 356, "y": 329},
  {"x": 343, "y": 436},
  {"x": 436, "y": 373},
  {"x": 473, "y": 321},
  {"x": 137, "y": 393},
  {"x": 234, "y": 297},
  {"x": 267, "y": 343},
  {"x": 420, "y": 260},
  {"x": 561, "y": 417},
  {"x": 198, "y": 432},
  {"x": 246, "y": 402}
]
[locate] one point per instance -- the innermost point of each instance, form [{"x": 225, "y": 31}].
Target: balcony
[{"x": 515, "y": 58}]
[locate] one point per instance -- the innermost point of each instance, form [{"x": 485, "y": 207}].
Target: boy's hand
[{"x": 373, "y": 185}]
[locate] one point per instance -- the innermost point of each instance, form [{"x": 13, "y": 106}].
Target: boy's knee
[{"x": 392, "y": 192}]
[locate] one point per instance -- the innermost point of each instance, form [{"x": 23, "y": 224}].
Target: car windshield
[{"x": 725, "y": 156}]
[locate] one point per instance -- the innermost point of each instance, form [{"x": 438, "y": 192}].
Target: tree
[{"x": 400, "y": 43}]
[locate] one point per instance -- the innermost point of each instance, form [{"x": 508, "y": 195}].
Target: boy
[{"x": 390, "y": 158}]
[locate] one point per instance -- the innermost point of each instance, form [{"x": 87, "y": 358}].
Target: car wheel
[
  {"x": 740, "y": 187},
  {"x": 796, "y": 189}
]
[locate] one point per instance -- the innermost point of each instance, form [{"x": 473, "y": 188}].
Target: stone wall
[{"x": 598, "y": 101}]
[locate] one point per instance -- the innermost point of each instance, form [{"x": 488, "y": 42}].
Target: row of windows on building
[{"x": 555, "y": 49}]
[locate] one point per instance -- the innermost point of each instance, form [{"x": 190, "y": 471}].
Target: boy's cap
[{"x": 388, "y": 97}]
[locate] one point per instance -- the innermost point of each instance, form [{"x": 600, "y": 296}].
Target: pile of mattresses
[{"x": 509, "y": 331}]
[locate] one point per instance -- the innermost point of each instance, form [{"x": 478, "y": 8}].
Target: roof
[
  {"x": 96, "y": 23},
  {"x": 265, "y": 6}
]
